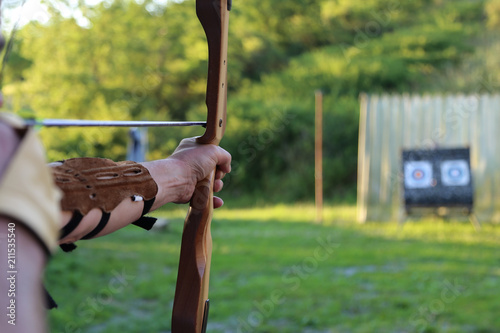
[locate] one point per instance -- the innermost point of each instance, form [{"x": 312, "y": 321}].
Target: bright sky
[{"x": 24, "y": 11}]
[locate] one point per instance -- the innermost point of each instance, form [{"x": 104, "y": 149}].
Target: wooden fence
[{"x": 390, "y": 123}]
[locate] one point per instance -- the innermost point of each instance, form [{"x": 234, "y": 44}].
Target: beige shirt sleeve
[{"x": 27, "y": 190}]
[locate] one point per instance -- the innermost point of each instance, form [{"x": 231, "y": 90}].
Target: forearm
[
  {"x": 124, "y": 214},
  {"x": 174, "y": 180},
  {"x": 173, "y": 186}
]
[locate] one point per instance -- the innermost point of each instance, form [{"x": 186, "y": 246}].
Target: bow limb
[{"x": 190, "y": 309}]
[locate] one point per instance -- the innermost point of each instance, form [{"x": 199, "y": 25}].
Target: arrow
[{"x": 109, "y": 123}]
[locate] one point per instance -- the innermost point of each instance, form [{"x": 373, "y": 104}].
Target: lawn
[{"x": 273, "y": 270}]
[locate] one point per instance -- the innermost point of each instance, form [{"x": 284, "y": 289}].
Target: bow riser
[
  {"x": 190, "y": 309},
  {"x": 194, "y": 264},
  {"x": 214, "y": 18}
]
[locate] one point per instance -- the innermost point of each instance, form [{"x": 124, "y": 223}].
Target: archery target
[
  {"x": 455, "y": 173},
  {"x": 418, "y": 174}
]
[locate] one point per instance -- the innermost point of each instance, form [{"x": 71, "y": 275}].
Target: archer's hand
[{"x": 190, "y": 163}]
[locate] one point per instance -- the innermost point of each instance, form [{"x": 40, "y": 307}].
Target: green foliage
[{"x": 143, "y": 60}]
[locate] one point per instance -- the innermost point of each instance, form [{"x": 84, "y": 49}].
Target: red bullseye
[{"x": 418, "y": 174}]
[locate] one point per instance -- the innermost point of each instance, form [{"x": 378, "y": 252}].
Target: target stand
[{"x": 438, "y": 181}]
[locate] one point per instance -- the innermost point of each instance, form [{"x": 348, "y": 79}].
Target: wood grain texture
[{"x": 191, "y": 293}]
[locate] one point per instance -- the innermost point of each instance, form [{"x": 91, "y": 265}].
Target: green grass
[{"x": 273, "y": 270}]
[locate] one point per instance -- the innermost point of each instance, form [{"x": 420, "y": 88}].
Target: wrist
[{"x": 174, "y": 179}]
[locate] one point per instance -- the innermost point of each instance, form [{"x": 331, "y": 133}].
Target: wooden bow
[{"x": 190, "y": 311}]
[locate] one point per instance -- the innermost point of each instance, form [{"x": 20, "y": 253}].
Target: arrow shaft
[{"x": 109, "y": 123}]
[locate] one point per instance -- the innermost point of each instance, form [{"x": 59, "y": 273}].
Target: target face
[
  {"x": 455, "y": 173},
  {"x": 418, "y": 174}
]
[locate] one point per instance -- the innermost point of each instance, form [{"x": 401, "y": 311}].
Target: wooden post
[{"x": 318, "y": 156}]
